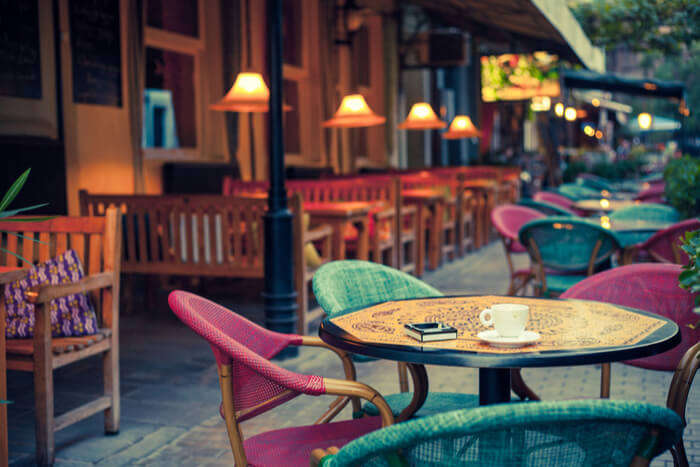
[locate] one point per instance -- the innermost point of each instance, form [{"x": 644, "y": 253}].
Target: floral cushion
[{"x": 70, "y": 316}]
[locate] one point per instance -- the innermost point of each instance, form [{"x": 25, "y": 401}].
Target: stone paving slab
[{"x": 170, "y": 393}]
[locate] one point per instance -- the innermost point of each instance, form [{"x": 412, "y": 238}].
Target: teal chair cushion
[
  {"x": 559, "y": 284},
  {"x": 652, "y": 212},
  {"x": 557, "y": 433},
  {"x": 435, "y": 403}
]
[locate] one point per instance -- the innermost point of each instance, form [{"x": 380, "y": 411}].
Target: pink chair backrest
[
  {"x": 653, "y": 194},
  {"x": 508, "y": 219},
  {"x": 664, "y": 245},
  {"x": 649, "y": 287},
  {"x": 554, "y": 198},
  {"x": 258, "y": 384}
]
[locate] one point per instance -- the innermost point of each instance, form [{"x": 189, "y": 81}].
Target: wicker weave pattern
[
  {"x": 546, "y": 208},
  {"x": 591, "y": 432},
  {"x": 662, "y": 242},
  {"x": 342, "y": 285},
  {"x": 649, "y": 287},
  {"x": 648, "y": 212},
  {"x": 247, "y": 347},
  {"x": 509, "y": 218}
]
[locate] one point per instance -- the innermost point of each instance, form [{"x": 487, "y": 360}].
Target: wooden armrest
[
  {"x": 318, "y": 233},
  {"x": 11, "y": 276},
  {"x": 387, "y": 213},
  {"x": 318, "y": 454},
  {"x": 342, "y": 387},
  {"x": 92, "y": 282},
  {"x": 350, "y": 375}
]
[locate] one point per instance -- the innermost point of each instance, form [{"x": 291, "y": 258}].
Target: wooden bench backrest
[
  {"x": 96, "y": 240},
  {"x": 368, "y": 189},
  {"x": 209, "y": 235}
]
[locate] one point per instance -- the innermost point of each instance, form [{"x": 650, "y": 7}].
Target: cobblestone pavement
[{"x": 170, "y": 392}]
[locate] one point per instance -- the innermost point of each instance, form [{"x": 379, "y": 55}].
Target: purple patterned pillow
[{"x": 70, "y": 316}]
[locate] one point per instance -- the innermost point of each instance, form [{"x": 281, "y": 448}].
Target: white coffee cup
[{"x": 509, "y": 319}]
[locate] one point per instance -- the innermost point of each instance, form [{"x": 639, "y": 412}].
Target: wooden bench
[
  {"x": 207, "y": 236},
  {"x": 97, "y": 241}
]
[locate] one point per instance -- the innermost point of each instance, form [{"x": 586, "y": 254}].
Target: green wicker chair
[
  {"x": 596, "y": 183},
  {"x": 548, "y": 209},
  {"x": 340, "y": 286},
  {"x": 565, "y": 251},
  {"x": 644, "y": 211},
  {"x": 562, "y": 433},
  {"x": 577, "y": 192}
]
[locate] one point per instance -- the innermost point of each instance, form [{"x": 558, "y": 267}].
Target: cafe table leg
[
  {"x": 339, "y": 230},
  {"x": 494, "y": 385},
  {"x": 420, "y": 391},
  {"x": 362, "y": 227},
  {"x": 436, "y": 235},
  {"x": 420, "y": 239}
]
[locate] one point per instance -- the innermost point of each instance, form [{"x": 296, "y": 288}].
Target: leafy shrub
[
  {"x": 682, "y": 177},
  {"x": 620, "y": 170},
  {"x": 573, "y": 169},
  {"x": 690, "y": 277}
]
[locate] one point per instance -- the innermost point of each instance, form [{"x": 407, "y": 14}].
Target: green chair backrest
[
  {"x": 648, "y": 212},
  {"x": 548, "y": 209},
  {"x": 568, "y": 243},
  {"x": 577, "y": 192},
  {"x": 340, "y": 286},
  {"x": 596, "y": 183},
  {"x": 556, "y": 433}
]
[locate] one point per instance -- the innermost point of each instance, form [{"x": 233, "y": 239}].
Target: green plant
[
  {"x": 620, "y": 170},
  {"x": 682, "y": 177},
  {"x": 6, "y": 214},
  {"x": 573, "y": 169},
  {"x": 690, "y": 277}
]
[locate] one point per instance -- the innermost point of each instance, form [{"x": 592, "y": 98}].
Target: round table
[
  {"x": 382, "y": 338},
  {"x": 602, "y": 205}
]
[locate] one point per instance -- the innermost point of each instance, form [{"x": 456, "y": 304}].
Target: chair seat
[
  {"x": 560, "y": 283},
  {"x": 59, "y": 345},
  {"x": 293, "y": 446},
  {"x": 436, "y": 402}
]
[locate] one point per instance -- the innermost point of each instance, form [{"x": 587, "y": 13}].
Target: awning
[
  {"x": 524, "y": 25},
  {"x": 585, "y": 79}
]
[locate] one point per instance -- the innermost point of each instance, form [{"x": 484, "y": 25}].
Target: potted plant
[
  {"x": 682, "y": 177},
  {"x": 690, "y": 277}
]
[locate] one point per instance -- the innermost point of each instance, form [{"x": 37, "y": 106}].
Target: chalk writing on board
[
  {"x": 20, "y": 60},
  {"x": 96, "y": 52}
]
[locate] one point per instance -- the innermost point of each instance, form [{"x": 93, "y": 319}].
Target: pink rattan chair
[
  {"x": 559, "y": 200},
  {"x": 507, "y": 220},
  {"x": 665, "y": 245},
  {"x": 650, "y": 287},
  {"x": 653, "y": 194},
  {"x": 251, "y": 384}
]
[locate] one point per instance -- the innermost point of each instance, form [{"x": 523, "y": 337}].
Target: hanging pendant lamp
[
  {"x": 249, "y": 93},
  {"x": 354, "y": 112},
  {"x": 461, "y": 127},
  {"x": 422, "y": 117}
]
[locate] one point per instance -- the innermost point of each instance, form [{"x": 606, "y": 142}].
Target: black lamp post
[{"x": 279, "y": 294}]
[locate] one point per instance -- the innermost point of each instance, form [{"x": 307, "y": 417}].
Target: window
[{"x": 172, "y": 100}]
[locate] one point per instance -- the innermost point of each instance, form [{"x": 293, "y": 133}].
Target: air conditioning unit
[{"x": 435, "y": 49}]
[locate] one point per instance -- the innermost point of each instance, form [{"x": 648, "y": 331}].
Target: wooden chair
[
  {"x": 97, "y": 242},
  {"x": 678, "y": 396}
]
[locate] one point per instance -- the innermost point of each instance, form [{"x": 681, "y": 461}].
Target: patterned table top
[{"x": 563, "y": 324}]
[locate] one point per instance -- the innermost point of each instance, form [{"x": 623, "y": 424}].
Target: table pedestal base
[{"x": 494, "y": 385}]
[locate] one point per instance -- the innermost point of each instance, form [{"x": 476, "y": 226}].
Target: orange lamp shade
[
  {"x": 354, "y": 113},
  {"x": 249, "y": 93},
  {"x": 422, "y": 117},
  {"x": 461, "y": 127}
]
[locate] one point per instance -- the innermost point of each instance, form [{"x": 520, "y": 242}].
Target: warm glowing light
[
  {"x": 589, "y": 130},
  {"x": 598, "y": 134},
  {"x": 461, "y": 127},
  {"x": 249, "y": 93},
  {"x": 559, "y": 109},
  {"x": 604, "y": 203},
  {"x": 422, "y": 117},
  {"x": 596, "y": 102},
  {"x": 644, "y": 120},
  {"x": 570, "y": 114},
  {"x": 354, "y": 112},
  {"x": 605, "y": 221},
  {"x": 581, "y": 114},
  {"x": 605, "y": 193},
  {"x": 540, "y": 103}
]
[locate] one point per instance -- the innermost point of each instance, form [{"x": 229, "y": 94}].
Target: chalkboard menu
[
  {"x": 96, "y": 51},
  {"x": 20, "y": 60}
]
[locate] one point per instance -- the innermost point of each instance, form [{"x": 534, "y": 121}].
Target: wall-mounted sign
[
  {"x": 513, "y": 77},
  {"x": 96, "y": 52},
  {"x": 20, "y": 58}
]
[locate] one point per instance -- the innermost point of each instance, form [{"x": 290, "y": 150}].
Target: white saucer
[{"x": 496, "y": 340}]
